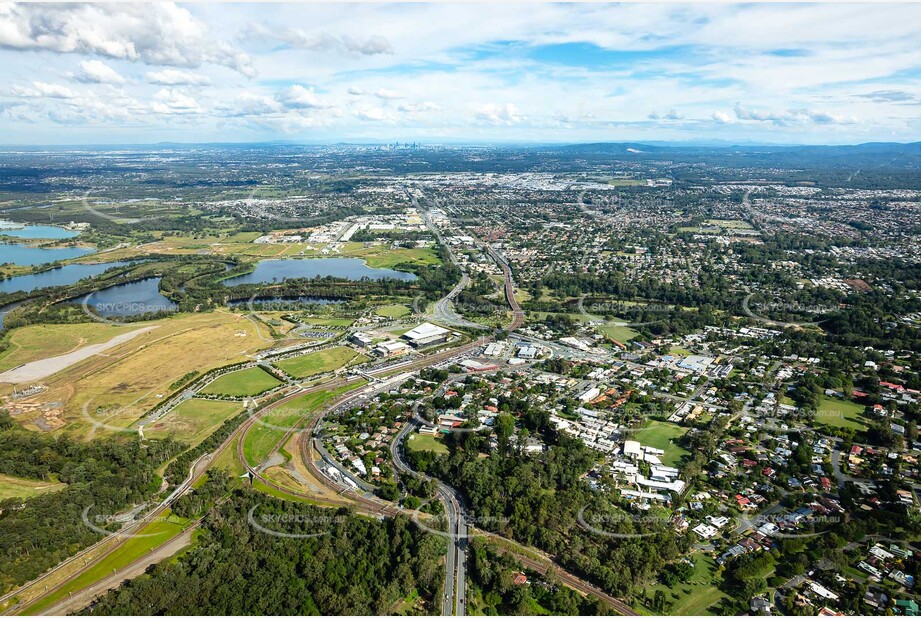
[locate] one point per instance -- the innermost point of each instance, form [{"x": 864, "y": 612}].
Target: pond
[
  {"x": 128, "y": 299},
  {"x": 18, "y": 230},
  {"x": 269, "y": 271},
  {"x": 23, "y": 255},
  {"x": 66, "y": 275}
]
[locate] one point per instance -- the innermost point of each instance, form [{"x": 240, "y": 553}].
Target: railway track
[{"x": 571, "y": 581}]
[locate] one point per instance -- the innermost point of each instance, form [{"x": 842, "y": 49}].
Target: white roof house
[{"x": 632, "y": 448}]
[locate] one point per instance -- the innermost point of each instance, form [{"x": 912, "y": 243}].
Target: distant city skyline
[{"x": 542, "y": 73}]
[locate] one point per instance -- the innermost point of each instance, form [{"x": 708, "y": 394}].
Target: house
[{"x": 760, "y": 606}]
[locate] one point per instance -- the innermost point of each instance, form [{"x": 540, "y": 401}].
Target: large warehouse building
[{"x": 426, "y": 334}]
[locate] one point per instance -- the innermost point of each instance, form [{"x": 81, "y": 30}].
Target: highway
[
  {"x": 444, "y": 311},
  {"x": 455, "y": 596}
]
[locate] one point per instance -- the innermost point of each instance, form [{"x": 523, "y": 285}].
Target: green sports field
[
  {"x": 251, "y": 381},
  {"x": 319, "y": 362}
]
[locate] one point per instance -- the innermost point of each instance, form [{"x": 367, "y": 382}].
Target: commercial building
[{"x": 426, "y": 334}]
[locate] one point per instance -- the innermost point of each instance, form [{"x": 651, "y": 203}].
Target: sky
[{"x": 525, "y": 73}]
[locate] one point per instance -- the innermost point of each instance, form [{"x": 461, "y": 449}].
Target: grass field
[
  {"x": 193, "y": 420},
  {"x": 262, "y": 438},
  {"x": 418, "y": 442},
  {"x": 392, "y": 311},
  {"x": 730, "y": 224},
  {"x": 622, "y": 334},
  {"x": 658, "y": 434},
  {"x": 31, "y": 343},
  {"x": 160, "y": 531},
  {"x": 121, "y": 385},
  {"x": 16, "y": 487},
  {"x": 342, "y": 322},
  {"x": 229, "y": 462},
  {"x": 251, "y": 381},
  {"x": 376, "y": 255},
  {"x": 696, "y": 597},
  {"x": 382, "y": 256},
  {"x": 319, "y": 362},
  {"x": 840, "y": 413}
]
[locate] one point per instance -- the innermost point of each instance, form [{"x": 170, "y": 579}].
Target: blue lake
[
  {"x": 128, "y": 299},
  {"x": 8, "y": 228},
  {"x": 65, "y": 275},
  {"x": 22, "y": 255},
  {"x": 269, "y": 271}
]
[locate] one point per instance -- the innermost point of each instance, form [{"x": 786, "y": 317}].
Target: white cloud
[
  {"x": 321, "y": 41},
  {"x": 176, "y": 77},
  {"x": 172, "y": 101},
  {"x": 722, "y": 118},
  {"x": 670, "y": 115},
  {"x": 98, "y": 72},
  {"x": 250, "y": 104},
  {"x": 298, "y": 97},
  {"x": 159, "y": 33},
  {"x": 373, "y": 114},
  {"x": 384, "y": 93},
  {"x": 42, "y": 90},
  {"x": 790, "y": 117},
  {"x": 424, "y": 106},
  {"x": 498, "y": 114}
]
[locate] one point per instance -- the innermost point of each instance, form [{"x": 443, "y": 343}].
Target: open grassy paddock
[
  {"x": 840, "y": 413},
  {"x": 250, "y": 381},
  {"x": 658, "y": 434},
  {"x": 695, "y": 598},
  {"x": 320, "y": 362},
  {"x": 17, "y": 487},
  {"x": 622, "y": 334},
  {"x": 193, "y": 420},
  {"x": 392, "y": 311},
  {"x": 418, "y": 442}
]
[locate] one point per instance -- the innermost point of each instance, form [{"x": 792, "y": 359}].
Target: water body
[
  {"x": 8, "y": 228},
  {"x": 22, "y": 255},
  {"x": 6, "y": 309},
  {"x": 269, "y": 271},
  {"x": 128, "y": 299},
  {"x": 66, "y": 275}
]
